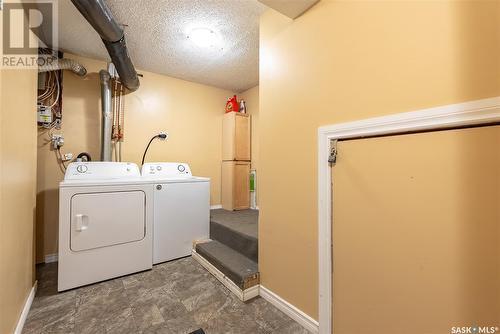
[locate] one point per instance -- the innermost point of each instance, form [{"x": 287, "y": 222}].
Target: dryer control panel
[
  {"x": 101, "y": 170},
  {"x": 166, "y": 170}
]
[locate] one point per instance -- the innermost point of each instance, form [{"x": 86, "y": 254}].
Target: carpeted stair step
[
  {"x": 238, "y": 268},
  {"x": 237, "y": 230}
]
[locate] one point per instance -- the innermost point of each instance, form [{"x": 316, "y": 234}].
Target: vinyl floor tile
[{"x": 173, "y": 298}]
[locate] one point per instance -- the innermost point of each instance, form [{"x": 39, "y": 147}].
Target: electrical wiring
[
  {"x": 56, "y": 100},
  {"x": 47, "y": 92},
  {"x": 50, "y": 97},
  {"x": 60, "y": 158},
  {"x": 161, "y": 136},
  {"x": 146, "y": 150},
  {"x": 48, "y": 132},
  {"x": 50, "y": 108}
]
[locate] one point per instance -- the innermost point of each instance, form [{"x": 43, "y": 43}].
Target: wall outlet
[
  {"x": 163, "y": 133},
  {"x": 57, "y": 141}
]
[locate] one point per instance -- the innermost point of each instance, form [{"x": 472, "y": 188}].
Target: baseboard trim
[
  {"x": 217, "y": 206},
  {"x": 50, "y": 258},
  {"x": 243, "y": 295},
  {"x": 293, "y": 312},
  {"x": 26, "y": 309}
]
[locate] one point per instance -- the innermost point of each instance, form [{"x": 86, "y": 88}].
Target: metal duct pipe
[
  {"x": 64, "y": 64},
  {"x": 107, "y": 116},
  {"x": 99, "y": 16}
]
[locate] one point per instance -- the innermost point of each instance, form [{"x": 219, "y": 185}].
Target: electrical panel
[{"x": 44, "y": 114}]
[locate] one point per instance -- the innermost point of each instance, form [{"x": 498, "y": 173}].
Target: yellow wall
[
  {"x": 347, "y": 60},
  {"x": 251, "y": 97},
  {"x": 191, "y": 113},
  {"x": 17, "y": 191}
]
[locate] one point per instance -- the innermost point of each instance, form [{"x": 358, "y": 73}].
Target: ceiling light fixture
[{"x": 203, "y": 37}]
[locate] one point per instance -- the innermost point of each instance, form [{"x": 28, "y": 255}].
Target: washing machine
[
  {"x": 181, "y": 209},
  {"x": 105, "y": 223}
]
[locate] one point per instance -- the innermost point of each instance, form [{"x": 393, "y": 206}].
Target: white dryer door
[{"x": 106, "y": 219}]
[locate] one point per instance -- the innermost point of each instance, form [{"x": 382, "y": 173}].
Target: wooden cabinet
[
  {"x": 236, "y": 161},
  {"x": 235, "y": 185},
  {"x": 236, "y": 137}
]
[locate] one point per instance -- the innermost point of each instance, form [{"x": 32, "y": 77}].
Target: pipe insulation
[
  {"x": 64, "y": 64},
  {"x": 107, "y": 116},
  {"x": 97, "y": 13}
]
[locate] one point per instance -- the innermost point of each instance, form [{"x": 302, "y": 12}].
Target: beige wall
[
  {"x": 191, "y": 113},
  {"x": 17, "y": 192},
  {"x": 347, "y": 60},
  {"x": 416, "y": 232},
  {"x": 251, "y": 97}
]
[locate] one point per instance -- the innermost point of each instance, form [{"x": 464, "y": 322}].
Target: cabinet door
[
  {"x": 241, "y": 194},
  {"x": 242, "y": 137},
  {"x": 228, "y": 135},
  {"x": 417, "y": 221},
  {"x": 227, "y": 185},
  {"x": 236, "y": 137}
]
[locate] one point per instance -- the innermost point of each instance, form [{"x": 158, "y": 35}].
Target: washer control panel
[
  {"x": 82, "y": 168},
  {"x": 166, "y": 170},
  {"x": 100, "y": 170}
]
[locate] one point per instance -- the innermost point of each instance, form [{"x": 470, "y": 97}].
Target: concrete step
[
  {"x": 237, "y": 230},
  {"x": 241, "y": 270}
]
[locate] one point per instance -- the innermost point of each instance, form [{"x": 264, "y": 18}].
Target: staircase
[{"x": 231, "y": 254}]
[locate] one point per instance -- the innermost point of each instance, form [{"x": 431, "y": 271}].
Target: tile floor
[{"x": 175, "y": 297}]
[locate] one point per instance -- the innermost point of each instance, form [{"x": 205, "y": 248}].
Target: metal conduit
[
  {"x": 97, "y": 13},
  {"x": 107, "y": 117}
]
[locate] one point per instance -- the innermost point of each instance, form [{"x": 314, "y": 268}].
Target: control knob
[{"x": 81, "y": 169}]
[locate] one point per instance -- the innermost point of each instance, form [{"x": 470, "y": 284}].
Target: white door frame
[{"x": 471, "y": 113}]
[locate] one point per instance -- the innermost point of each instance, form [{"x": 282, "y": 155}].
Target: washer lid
[{"x": 101, "y": 170}]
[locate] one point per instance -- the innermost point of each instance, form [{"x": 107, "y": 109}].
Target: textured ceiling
[{"x": 157, "y": 40}]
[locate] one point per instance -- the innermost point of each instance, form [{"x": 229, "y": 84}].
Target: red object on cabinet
[{"x": 232, "y": 104}]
